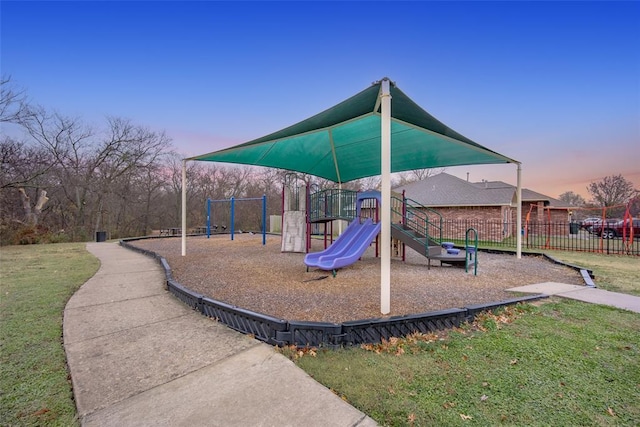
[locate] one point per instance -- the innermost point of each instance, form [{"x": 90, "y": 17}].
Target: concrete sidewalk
[
  {"x": 139, "y": 357},
  {"x": 583, "y": 293}
]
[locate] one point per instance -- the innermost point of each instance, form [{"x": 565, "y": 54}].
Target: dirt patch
[{"x": 260, "y": 278}]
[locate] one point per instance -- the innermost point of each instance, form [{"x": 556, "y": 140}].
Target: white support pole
[
  {"x": 519, "y": 213},
  {"x": 385, "y": 217},
  {"x": 340, "y": 208},
  {"x": 184, "y": 207}
]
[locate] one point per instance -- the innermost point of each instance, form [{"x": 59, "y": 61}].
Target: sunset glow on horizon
[{"x": 554, "y": 85}]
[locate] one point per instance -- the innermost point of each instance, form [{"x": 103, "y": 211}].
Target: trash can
[
  {"x": 101, "y": 236},
  {"x": 574, "y": 227}
]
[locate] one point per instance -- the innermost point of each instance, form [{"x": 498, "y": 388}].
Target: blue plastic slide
[
  {"x": 338, "y": 247},
  {"x": 347, "y": 249}
]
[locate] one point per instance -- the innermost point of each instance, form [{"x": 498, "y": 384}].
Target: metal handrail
[
  {"x": 332, "y": 204},
  {"x": 419, "y": 220}
]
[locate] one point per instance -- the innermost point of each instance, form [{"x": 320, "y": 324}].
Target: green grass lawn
[
  {"x": 35, "y": 284},
  {"x": 558, "y": 362},
  {"x": 617, "y": 273},
  {"x": 563, "y": 363}
]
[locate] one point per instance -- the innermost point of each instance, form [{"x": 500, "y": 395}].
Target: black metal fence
[{"x": 563, "y": 236}]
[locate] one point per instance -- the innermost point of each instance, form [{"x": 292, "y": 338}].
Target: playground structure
[
  {"x": 412, "y": 225},
  {"x": 420, "y": 228},
  {"x": 294, "y": 214},
  {"x": 232, "y": 217},
  {"x": 352, "y": 243}
]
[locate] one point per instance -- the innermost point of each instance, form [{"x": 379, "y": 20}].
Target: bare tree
[
  {"x": 403, "y": 178},
  {"x": 126, "y": 153},
  {"x": 95, "y": 171},
  {"x": 572, "y": 199},
  {"x": 71, "y": 146},
  {"x": 78, "y": 178},
  {"x": 364, "y": 184},
  {"x": 612, "y": 190},
  {"x": 22, "y": 165},
  {"x": 23, "y": 182},
  {"x": 32, "y": 214},
  {"x": 13, "y": 102},
  {"x": 197, "y": 174}
]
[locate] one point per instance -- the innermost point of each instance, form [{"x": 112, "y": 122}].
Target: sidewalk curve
[{"x": 139, "y": 357}]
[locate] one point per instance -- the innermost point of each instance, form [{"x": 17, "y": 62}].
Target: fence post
[
  {"x": 208, "y": 217},
  {"x": 232, "y": 217},
  {"x": 264, "y": 219}
]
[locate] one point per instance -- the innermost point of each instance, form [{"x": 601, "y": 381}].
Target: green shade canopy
[
  {"x": 353, "y": 140},
  {"x": 343, "y": 143}
]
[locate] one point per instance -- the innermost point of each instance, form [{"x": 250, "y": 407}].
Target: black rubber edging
[{"x": 282, "y": 332}]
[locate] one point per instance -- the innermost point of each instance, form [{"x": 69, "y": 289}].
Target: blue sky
[{"x": 555, "y": 85}]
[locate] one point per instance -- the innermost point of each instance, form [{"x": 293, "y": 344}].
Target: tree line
[
  {"x": 63, "y": 180},
  {"x": 612, "y": 197}
]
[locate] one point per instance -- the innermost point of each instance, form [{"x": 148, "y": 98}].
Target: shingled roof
[{"x": 447, "y": 190}]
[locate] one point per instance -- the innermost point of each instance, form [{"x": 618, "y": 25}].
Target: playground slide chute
[
  {"x": 338, "y": 247},
  {"x": 351, "y": 249}
]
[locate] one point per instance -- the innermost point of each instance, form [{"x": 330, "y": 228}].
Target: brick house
[{"x": 492, "y": 203}]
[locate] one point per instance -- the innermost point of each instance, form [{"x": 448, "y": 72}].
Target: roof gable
[
  {"x": 447, "y": 190},
  {"x": 444, "y": 189},
  {"x": 527, "y": 195}
]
